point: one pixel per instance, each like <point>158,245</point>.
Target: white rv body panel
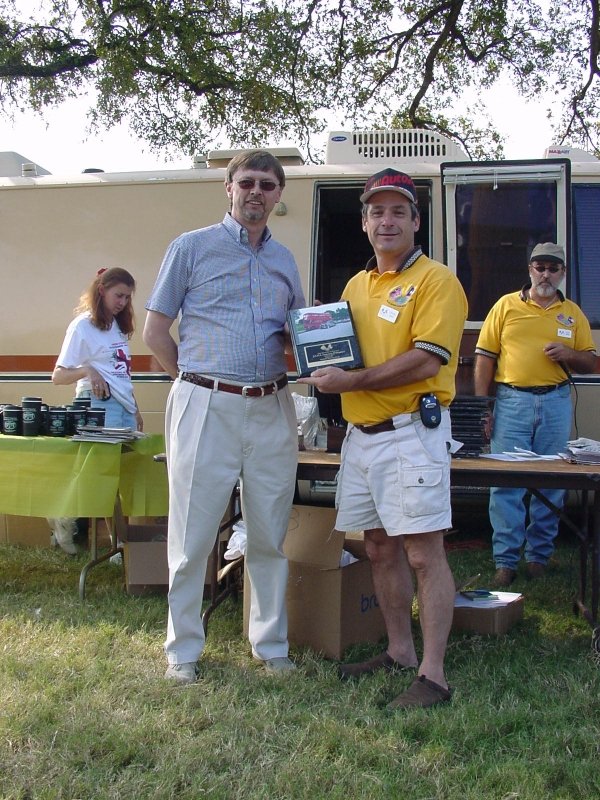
<point>56,231</point>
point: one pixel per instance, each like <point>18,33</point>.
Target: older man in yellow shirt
<point>529,343</point>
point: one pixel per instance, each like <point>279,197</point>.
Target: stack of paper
<point>519,454</point>
<point>583,451</point>
<point>492,600</point>
<point>92,433</point>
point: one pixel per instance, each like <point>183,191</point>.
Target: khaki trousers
<point>215,439</point>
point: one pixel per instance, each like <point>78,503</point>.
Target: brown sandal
<point>422,693</point>
<point>383,661</point>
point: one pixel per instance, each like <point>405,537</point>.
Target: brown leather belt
<point>538,389</point>
<point>380,427</point>
<point>244,391</point>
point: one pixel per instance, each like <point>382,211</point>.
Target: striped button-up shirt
<point>232,301</point>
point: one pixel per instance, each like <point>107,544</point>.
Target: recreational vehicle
<point>480,218</point>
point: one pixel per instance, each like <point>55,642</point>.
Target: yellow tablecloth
<point>54,477</point>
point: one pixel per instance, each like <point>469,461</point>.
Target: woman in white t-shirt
<point>95,351</point>
<point>95,355</point>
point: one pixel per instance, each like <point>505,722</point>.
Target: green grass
<point>85,712</point>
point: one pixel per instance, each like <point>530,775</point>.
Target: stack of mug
<point>35,418</point>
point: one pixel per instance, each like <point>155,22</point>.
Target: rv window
<point>496,229</point>
<point>583,268</point>
<point>341,248</point>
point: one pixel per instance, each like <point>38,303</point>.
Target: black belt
<point>537,389</point>
<point>245,391</point>
<point>380,427</point>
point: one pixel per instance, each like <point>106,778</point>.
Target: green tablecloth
<point>53,477</point>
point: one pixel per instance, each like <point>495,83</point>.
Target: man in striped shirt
<point>230,415</point>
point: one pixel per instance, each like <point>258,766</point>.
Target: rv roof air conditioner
<point>389,146</point>
<point>573,153</point>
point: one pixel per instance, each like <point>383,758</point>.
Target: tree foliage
<point>188,74</point>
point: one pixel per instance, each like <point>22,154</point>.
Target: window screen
<point>497,226</point>
<point>584,269</point>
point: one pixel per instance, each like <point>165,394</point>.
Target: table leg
<point>583,553</point>
<point>218,594</point>
<point>589,542</point>
<point>590,547</point>
<point>595,570</point>
<point>116,524</point>
<point>579,531</point>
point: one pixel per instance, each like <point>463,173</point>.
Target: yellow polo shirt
<point>422,306</point>
<point>517,329</point>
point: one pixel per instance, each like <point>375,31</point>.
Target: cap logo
<point>390,179</point>
<point>393,180</point>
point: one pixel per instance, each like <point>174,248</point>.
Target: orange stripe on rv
<point>39,363</point>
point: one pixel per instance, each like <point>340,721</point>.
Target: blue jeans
<point>538,422</point>
<point>116,416</point>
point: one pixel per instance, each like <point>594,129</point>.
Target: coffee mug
<point>32,415</point>
<point>96,417</point>
<point>12,420</point>
<point>57,421</point>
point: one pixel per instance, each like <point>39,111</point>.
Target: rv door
<point>494,214</point>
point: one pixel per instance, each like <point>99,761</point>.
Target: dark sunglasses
<point>547,268</point>
<point>265,186</point>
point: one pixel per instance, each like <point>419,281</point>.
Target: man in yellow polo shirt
<point>529,343</point>
<point>394,481</point>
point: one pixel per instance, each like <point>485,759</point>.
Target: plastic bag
<point>307,417</point>
<point>347,558</point>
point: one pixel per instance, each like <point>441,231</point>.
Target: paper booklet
<point>324,336</point>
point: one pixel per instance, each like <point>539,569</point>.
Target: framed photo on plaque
<point>324,336</point>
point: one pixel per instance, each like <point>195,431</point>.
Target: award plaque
<point>324,336</point>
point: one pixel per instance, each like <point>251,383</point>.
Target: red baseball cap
<point>390,180</point>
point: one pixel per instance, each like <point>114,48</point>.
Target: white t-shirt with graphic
<point>106,351</point>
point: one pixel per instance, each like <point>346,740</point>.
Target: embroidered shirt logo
<point>565,320</point>
<point>399,297</point>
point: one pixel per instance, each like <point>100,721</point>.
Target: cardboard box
<point>145,554</point>
<point>329,607</point>
<point>146,561</point>
<point>30,531</point>
<point>489,621</point>
<point>36,531</point>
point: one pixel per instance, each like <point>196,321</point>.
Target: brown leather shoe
<point>504,577</point>
<point>534,569</point>
<point>422,693</point>
<point>383,661</point>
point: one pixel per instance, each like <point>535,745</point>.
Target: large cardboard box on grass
<point>494,621</point>
<point>145,555</point>
<point>329,607</point>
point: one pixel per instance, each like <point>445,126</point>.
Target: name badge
<point>564,333</point>
<point>388,314</point>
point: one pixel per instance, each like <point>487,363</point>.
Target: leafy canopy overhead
<point>188,74</point>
